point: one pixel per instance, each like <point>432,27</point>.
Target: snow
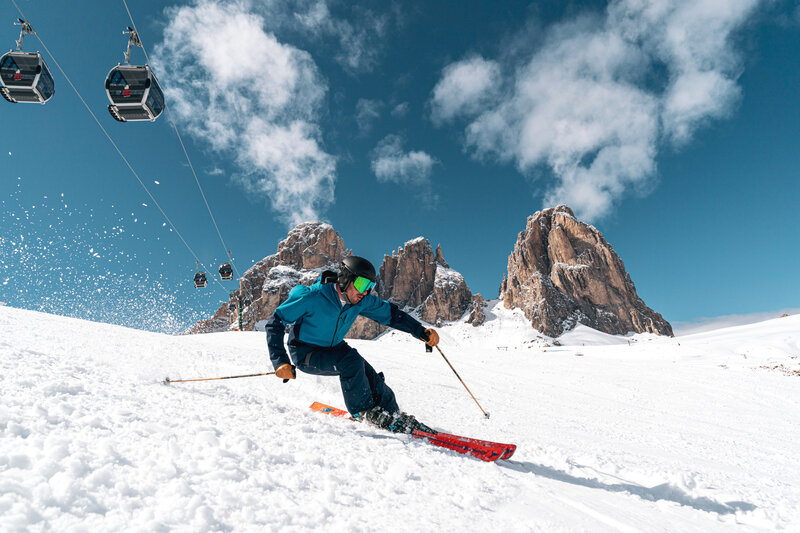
<point>282,276</point>
<point>567,266</point>
<point>46,278</point>
<point>690,434</point>
<point>447,278</point>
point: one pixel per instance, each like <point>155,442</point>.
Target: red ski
<point>482,449</point>
<point>508,449</point>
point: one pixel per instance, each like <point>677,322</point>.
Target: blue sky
<point>673,127</point>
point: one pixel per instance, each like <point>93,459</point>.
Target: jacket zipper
<point>337,326</point>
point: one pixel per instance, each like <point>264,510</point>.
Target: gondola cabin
<point>26,78</point>
<point>134,93</point>
<point>226,272</point>
<point>200,280</point>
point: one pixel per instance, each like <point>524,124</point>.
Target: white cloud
<point>316,16</point>
<point>693,39</point>
<point>597,99</point>
<point>235,86</point>
<point>297,170</point>
<point>464,87</point>
<point>359,32</point>
<point>358,42</point>
<point>367,112</point>
<point>391,163</point>
<point>400,110</point>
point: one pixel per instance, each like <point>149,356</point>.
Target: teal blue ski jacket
<point>318,318</point>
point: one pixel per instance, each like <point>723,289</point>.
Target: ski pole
<point>462,382</point>
<point>167,381</point>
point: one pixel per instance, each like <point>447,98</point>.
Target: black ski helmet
<point>352,267</point>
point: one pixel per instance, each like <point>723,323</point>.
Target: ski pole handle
<point>426,336</point>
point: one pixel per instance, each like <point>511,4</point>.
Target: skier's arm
<point>289,312</point>
<point>390,315</point>
<point>404,322</point>
<point>275,332</point>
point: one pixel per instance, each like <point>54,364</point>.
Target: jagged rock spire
<point>562,272</point>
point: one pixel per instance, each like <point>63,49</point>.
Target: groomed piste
<point>642,433</point>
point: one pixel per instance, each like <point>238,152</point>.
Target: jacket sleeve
<point>289,312</point>
<point>390,315</point>
<point>275,332</point>
<point>405,322</point>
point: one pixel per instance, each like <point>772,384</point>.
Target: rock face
<point>219,322</point>
<point>418,279</point>
<point>477,316</point>
<point>414,277</point>
<point>563,272</point>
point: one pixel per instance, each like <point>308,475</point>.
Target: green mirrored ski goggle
<point>363,285</point>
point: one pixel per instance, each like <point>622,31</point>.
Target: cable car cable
<point>191,166</point>
<point>164,214</point>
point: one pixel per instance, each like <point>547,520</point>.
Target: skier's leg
<point>381,393</point>
<point>356,387</point>
<point>345,362</point>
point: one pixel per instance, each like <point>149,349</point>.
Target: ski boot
<point>399,422</point>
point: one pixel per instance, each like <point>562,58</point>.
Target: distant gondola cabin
<point>25,78</point>
<point>200,280</point>
<point>226,272</point>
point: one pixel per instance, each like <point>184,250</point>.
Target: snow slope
<point>695,433</point>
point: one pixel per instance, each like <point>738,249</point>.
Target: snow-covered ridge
<point>639,433</point>
<point>447,277</point>
<point>415,240</point>
<point>286,276</point>
<point>567,266</point>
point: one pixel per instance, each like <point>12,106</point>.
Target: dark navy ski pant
<point>362,387</point>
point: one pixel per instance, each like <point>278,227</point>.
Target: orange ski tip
<point>327,409</point>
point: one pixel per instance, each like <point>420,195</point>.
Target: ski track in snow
<point>693,434</point>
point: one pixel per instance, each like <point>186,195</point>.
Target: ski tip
<point>510,449</point>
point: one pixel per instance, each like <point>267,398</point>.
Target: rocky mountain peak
<point>562,272</point>
<point>416,277</point>
<point>310,245</point>
<point>440,256</point>
<point>406,277</point>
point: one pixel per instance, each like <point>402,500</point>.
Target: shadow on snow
<point>665,491</point>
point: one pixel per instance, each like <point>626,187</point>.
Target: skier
<point>320,316</point>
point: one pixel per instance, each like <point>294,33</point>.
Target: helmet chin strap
<point>343,292</point>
